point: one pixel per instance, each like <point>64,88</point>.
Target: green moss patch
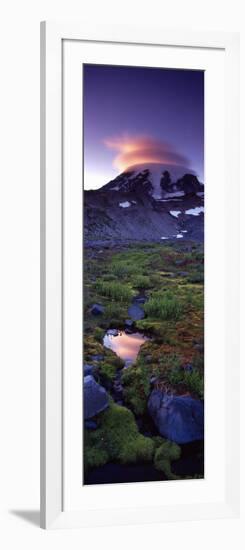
<point>116,439</point>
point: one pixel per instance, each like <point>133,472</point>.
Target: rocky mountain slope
<point>146,203</point>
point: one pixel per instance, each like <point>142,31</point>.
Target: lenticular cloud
<point>134,150</point>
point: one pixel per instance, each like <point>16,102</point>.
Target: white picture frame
<point>54,513</point>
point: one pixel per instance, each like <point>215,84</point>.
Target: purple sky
<point>135,113</point>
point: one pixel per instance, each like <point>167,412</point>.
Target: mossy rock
<point>116,438</point>
<point>166,452</point>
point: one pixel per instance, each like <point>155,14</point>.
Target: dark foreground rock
<point>178,418</point>
<point>95,397</point>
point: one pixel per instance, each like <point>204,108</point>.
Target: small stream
<point>126,345</point>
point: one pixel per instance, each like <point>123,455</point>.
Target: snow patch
<point>124,204</point>
<point>179,236</point>
<point>195,211</point>
<point>175,213</point>
<point>183,230</point>
<point>174,194</point>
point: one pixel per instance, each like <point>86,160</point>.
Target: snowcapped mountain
<point>150,202</point>
<point>158,180</point>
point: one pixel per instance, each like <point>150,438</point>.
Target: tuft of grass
<point>142,281</point>
<point>114,290</point>
<point>98,334</point>
<point>164,306</point>
<point>193,380</point>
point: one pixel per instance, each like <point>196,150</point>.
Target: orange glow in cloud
<point>134,150</point>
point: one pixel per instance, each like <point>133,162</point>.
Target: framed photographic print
<point>139,275</point>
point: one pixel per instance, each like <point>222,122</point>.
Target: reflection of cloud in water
<point>125,345</point>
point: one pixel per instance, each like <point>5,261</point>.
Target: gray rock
<point>136,312</point>
<point>97,309</point>
<point>140,299</point>
<point>178,418</point>
<point>96,398</point>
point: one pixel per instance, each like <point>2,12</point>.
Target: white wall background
<point>19,255</point>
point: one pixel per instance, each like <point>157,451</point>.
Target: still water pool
<point>126,346</point>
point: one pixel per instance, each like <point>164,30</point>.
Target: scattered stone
<point>136,312</point>
<point>97,309</point>
<point>88,369</point>
<point>183,273</point>
<point>96,398</point>
<point>178,418</point>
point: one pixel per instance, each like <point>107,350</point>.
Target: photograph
<point>143,274</point>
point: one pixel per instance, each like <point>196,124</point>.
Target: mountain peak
<point>160,181</point>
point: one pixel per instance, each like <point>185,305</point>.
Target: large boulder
<point>95,397</point>
<point>178,418</point>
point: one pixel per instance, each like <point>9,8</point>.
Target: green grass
<point>136,381</point>
<point>164,306</point>
<point>114,290</point>
<point>142,282</point>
